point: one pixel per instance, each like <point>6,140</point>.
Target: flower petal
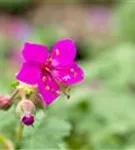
<point>29,74</point>
<point>63,52</point>
<point>70,74</point>
<point>35,52</point>
<point>49,89</point>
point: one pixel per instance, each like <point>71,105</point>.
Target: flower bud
<point>26,110</point>
<point>5,102</point>
<point>25,107</point>
<point>28,119</point>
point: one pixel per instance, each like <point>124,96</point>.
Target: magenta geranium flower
<point>50,72</point>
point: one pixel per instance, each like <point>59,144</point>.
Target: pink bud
<point>5,102</point>
<point>26,110</point>
<point>28,119</point>
<point>25,107</point>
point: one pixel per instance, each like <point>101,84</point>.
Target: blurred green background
<point>101,112</point>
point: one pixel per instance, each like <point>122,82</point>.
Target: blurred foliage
<point>124,21</point>
<point>100,113</point>
<point>16,7</point>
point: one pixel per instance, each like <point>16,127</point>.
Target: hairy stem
<point>6,143</point>
<point>19,134</point>
<point>14,94</point>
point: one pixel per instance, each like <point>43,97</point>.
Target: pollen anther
<point>75,74</point>
<point>71,70</point>
<point>67,89</point>
<point>57,52</point>
<point>44,78</point>
<point>47,69</point>
<point>58,92</point>
<point>50,60</point>
<point>47,88</point>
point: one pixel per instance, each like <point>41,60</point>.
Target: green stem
<point>14,94</point>
<point>19,134</point>
<point>7,144</point>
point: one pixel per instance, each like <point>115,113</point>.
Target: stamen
<point>65,92</point>
<point>58,92</point>
<point>72,70</point>
<point>63,89</point>
<point>68,89</point>
<point>52,90</point>
<point>50,59</point>
<point>49,79</point>
<point>67,95</point>
<point>44,78</point>
<point>57,52</point>
<point>47,69</point>
<point>47,88</point>
<point>75,74</point>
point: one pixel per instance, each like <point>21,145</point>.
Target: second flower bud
<point>26,110</point>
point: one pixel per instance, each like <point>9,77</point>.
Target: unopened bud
<point>28,119</point>
<point>25,107</point>
<point>26,110</point>
<point>5,102</point>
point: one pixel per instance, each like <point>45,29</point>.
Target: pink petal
<point>49,89</point>
<point>70,74</point>
<point>29,74</point>
<point>64,52</point>
<point>35,52</point>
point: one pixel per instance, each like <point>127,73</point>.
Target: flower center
<point>47,69</point>
<point>47,66</point>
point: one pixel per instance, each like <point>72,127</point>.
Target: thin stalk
<point>19,134</point>
<point>6,143</point>
<point>14,94</point>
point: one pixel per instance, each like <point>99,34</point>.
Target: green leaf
<point>48,134</point>
<point>14,84</point>
<point>8,122</point>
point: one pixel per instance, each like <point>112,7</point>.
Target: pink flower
<point>51,72</point>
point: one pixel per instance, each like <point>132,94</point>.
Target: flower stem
<point>14,94</point>
<point>19,134</point>
<point>7,144</point>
